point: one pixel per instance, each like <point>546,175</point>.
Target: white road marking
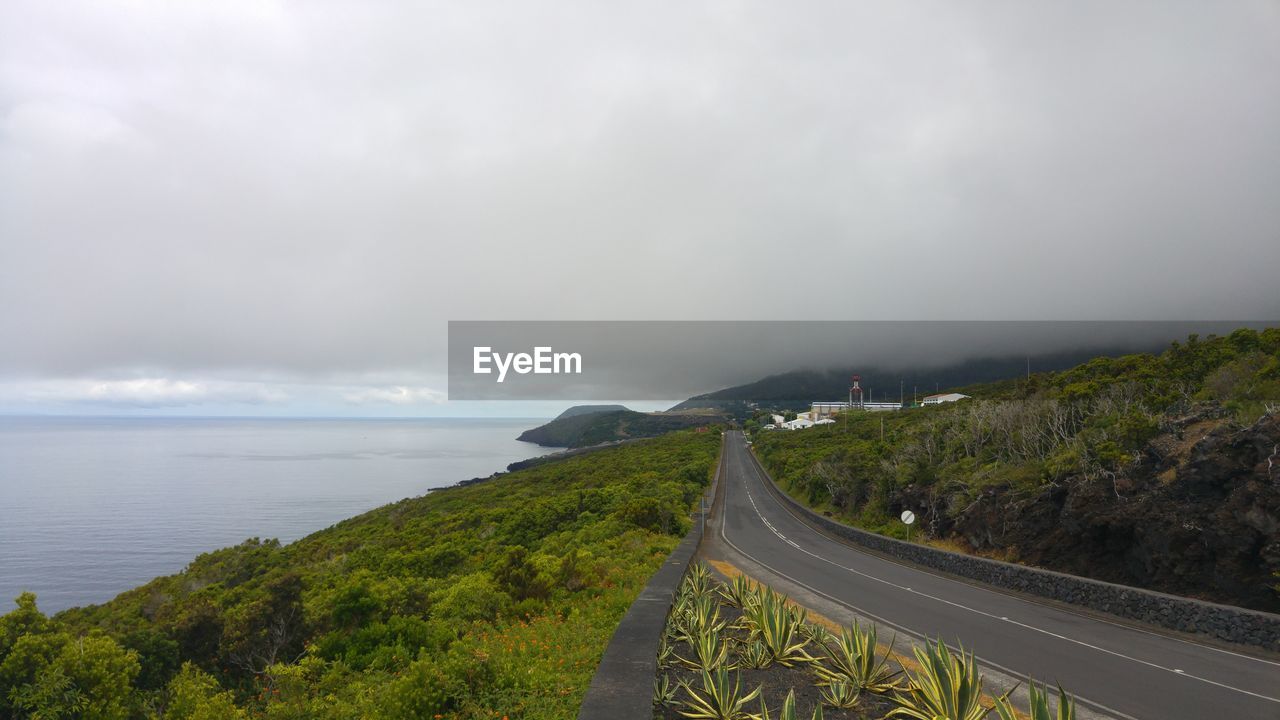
<point>1090,617</point>
<point>1033,628</point>
<point>1080,700</point>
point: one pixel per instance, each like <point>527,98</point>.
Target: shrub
<point>194,695</point>
<point>471,597</point>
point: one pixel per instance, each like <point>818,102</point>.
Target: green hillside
<point>482,601</point>
<point>599,427</point>
<point>588,410</point>
<point>1158,470</point>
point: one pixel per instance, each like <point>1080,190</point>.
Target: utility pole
<point>902,388</point>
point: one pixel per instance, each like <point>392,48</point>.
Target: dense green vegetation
<point>472,602</point>
<point>582,430</point>
<point>1087,422</point>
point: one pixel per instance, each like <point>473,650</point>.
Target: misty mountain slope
<point>1160,471</point>
<point>796,389</point>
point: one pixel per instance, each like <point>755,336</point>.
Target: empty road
<point>1114,668</point>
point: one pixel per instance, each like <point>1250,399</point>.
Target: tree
<point>57,676</point>
<point>25,619</point>
<point>267,630</point>
<point>195,695</point>
<point>157,654</point>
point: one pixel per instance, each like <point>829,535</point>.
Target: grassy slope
<point>479,601</point>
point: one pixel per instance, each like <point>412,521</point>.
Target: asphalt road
<point>1115,669</point>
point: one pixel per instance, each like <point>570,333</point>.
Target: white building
<point>942,398</point>
<point>824,421</point>
<point>777,419</point>
<point>821,410</point>
<point>827,409</point>
<point>798,424</point>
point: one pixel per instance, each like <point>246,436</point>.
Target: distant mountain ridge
<point>577,410</point>
<point>796,389</point>
<point>593,428</point>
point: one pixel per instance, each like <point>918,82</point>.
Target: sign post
<point>908,518</point>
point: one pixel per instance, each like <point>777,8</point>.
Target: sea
<point>90,507</point>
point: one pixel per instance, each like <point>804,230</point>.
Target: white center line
<point>989,615</point>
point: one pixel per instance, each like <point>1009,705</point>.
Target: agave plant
<point>851,659</point>
<point>751,599</point>
<point>705,612</point>
<point>718,700</point>
<point>699,616</point>
<point>664,693</point>
<point>754,655</point>
<point>840,694</point>
<point>666,653</point>
<point>815,633</point>
<point>777,626</point>
<point>737,591</point>
<point>947,687</point>
<point>696,616</point>
<point>798,614</point>
<point>710,651</point>
<point>697,582</point>
<point>753,611</point>
<point>1039,705</point>
<point>788,711</point>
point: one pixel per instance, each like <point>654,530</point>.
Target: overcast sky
<point>260,207</point>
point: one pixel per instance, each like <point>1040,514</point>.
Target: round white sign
<point>908,517</point>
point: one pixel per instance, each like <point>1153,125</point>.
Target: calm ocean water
<point>90,507</point>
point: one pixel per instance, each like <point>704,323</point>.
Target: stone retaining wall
<point>622,688</point>
<point>1221,622</point>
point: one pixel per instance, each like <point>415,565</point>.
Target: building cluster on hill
<point>822,413</point>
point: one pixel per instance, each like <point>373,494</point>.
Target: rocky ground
<point>1197,514</point>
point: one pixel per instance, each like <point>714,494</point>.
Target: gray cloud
<point>257,192</point>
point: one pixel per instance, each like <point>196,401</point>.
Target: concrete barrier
<point>622,688</point>
<point>1221,622</point>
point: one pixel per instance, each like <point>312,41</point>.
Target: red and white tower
<point>855,391</point>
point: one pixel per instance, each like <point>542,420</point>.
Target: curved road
<point>1115,669</point>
